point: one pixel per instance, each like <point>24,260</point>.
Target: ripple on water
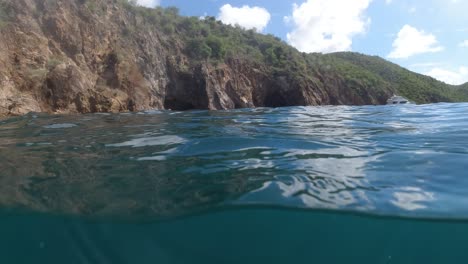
<point>59,126</point>
<point>405,161</point>
<point>150,141</point>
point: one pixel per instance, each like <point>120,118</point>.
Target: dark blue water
<point>374,184</point>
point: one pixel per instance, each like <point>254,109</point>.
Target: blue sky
<point>430,37</point>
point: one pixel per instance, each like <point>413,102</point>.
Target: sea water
<point>370,184</point>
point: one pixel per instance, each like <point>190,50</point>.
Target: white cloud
<point>327,25</point>
<point>247,17</point>
<point>148,3</point>
<point>464,44</point>
<point>455,77</point>
<point>388,1</point>
<point>411,41</point>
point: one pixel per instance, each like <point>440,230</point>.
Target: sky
<point>425,36</point>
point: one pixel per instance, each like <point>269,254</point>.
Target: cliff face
<point>80,56</point>
<point>57,56</point>
<point>64,57</point>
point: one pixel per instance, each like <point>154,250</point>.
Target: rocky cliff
<point>81,56</point>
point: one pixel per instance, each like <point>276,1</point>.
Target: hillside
<point>80,56</point>
<point>420,88</point>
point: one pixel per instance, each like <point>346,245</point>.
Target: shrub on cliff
<point>217,46</point>
<point>198,49</point>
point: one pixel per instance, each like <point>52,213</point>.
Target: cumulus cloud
<point>464,44</point>
<point>327,25</point>
<point>148,3</point>
<point>411,41</point>
<point>247,17</point>
<point>455,77</point>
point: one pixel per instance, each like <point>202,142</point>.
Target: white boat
<point>395,99</point>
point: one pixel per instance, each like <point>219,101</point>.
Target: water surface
<point>372,184</point>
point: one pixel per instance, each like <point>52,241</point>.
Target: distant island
<point>82,56</point>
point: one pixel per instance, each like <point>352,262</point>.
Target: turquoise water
<point>373,184</point>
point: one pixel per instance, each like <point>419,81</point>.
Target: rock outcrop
<point>73,56</point>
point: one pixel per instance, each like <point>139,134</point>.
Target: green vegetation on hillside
<point>209,40</point>
<point>417,87</point>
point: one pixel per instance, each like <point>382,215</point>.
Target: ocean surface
<point>371,184</point>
